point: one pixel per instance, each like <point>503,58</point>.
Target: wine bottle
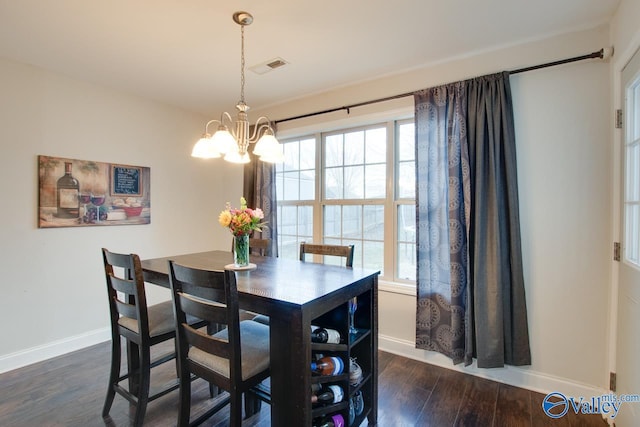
<point>329,365</point>
<point>328,395</point>
<point>67,191</point>
<point>324,335</point>
<point>357,403</point>
<point>335,420</point>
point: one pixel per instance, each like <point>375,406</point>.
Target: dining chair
<point>142,327</point>
<point>235,359</point>
<point>258,246</point>
<point>345,251</point>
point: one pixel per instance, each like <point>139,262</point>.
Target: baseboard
<point>519,377</point>
<point>43,352</point>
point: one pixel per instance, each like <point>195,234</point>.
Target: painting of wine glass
<point>81,193</point>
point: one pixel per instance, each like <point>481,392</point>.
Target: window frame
<point>390,202</point>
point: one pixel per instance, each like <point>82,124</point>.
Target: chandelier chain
<point>242,64</point>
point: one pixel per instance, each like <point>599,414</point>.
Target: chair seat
<point>261,318</point>
<point>161,320</point>
<point>255,351</point>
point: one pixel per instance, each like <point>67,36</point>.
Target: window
<point>353,186</point>
<point>632,176</point>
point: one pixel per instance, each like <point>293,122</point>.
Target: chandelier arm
<point>229,125</point>
<point>257,128</point>
<point>206,127</point>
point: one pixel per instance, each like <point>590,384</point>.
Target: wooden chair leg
<point>184,410</point>
<point>143,386</point>
<point>133,362</point>
<point>252,404</point>
<point>113,375</point>
<point>235,409</point>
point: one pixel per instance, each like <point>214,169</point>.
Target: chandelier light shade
<point>232,140</point>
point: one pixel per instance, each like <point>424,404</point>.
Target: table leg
<point>290,363</point>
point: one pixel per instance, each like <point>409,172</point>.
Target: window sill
<point>397,288</point>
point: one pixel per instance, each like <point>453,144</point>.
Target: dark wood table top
<point>284,282</point>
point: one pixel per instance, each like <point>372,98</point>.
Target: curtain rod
<point>602,53</point>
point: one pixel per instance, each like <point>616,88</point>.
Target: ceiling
<point>187,52</point>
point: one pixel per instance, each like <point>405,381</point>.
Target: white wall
<point>52,285</point>
<point>562,119</point>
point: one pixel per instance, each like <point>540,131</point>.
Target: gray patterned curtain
<point>442,204</point>
<point>471,301</point>
<point>259,188</point>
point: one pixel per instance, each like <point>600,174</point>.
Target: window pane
<point>288,247</point>
<point>407,223</point>
<point>295,224</point>
<point>373,255</point>
<point>406,249</point>
<point>305,222</point>
<point>406,261</point>
<point>406,142</point>
<point>307,185</point>
<point>376,150</point>
<point>308,150</point>
<point>291,183</point>
<point>375,181</point>
<point>333,150</point>
<point>354,148</point>
<point>352,222</point>
<point>333,183</point>
<point>406,180</point>
<point>332,221</point>
<point>373,222</point>
<point>633,173</point>
<point>287,217</point>
<point>354,182</point>
<point>291,155</point>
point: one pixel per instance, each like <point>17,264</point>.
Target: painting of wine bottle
<point>78,193</point>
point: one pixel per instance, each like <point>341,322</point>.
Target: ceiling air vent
<point>269,65</point>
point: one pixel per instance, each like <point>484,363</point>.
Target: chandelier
<point>233,141</point>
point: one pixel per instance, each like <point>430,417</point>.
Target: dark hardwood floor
<point>69,391</point>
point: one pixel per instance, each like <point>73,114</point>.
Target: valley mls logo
<point>556,405</point>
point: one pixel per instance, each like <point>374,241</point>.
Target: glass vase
<point>241,250</point>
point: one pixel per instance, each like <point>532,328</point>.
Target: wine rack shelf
<point>360,346</point>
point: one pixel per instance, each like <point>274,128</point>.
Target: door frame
<point>617,168</point>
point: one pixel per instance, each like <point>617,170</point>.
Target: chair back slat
<point>191,291</point>
<point>131,283</point>
<point>211,312</point>
<point>206,342</point>
<point>126,310</point>
<point>126,286</point>
<point>345,251</point>
<point>119,260</point>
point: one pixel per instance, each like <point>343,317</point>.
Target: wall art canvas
<point>80,193</point>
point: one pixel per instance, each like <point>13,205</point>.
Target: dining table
<point>292,294</point>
